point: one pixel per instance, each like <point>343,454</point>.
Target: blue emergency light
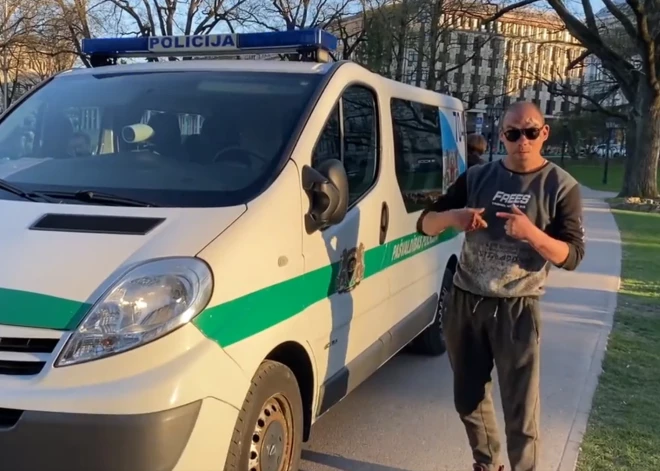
<point>312,44</point>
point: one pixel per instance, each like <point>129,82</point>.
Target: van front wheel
<point>269,428</point>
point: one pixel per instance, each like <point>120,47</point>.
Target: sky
<point>576,6</point>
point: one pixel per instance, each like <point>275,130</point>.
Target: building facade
<point>524,55</point>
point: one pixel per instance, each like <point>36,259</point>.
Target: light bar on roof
<point>212,45</point>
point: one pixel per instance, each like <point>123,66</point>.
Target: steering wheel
<point>239,159</point>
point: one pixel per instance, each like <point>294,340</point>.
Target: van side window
<point>329,144</point>
<point>360,144</point>
<point>355,143</point>
<point>417,152</point>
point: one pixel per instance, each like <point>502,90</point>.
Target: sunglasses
<point>512,135</point>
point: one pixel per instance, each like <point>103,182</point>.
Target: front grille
<point>20,368</point>
<point>24,356</point>
<point>9,417</point>
<point>27,345</point>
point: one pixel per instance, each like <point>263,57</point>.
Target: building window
<point>550,106</point>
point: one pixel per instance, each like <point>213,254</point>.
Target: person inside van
<point>80,145</point>
<point>521,215</point>
<point>476,147</point>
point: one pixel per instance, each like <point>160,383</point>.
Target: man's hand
<point>468,219</point>
<point>520,227</point>
<point>517,224</point>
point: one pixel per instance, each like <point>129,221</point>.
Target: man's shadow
<point>341,244</point>
<point>344,464</point>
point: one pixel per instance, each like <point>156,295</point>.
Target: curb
<point>572,448</point>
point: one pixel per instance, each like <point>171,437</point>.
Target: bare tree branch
<point>507,9</point>
<point>579,59</point>
<point>589,17</point>
<point>624,71</point>
<point>647,44</point>
<point>623,19</point>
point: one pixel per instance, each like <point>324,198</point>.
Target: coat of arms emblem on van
<point>351,269</point>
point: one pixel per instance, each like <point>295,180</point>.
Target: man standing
<point>521,215</point>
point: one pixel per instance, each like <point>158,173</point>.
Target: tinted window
<point>359,140</point>
<point>417,151</point>
<point>190,138</point>
<point>329,143</point>
<point>355,143</point>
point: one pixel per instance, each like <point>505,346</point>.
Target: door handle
<point>384,223</point>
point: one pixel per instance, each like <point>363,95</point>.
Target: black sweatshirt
<point>494,264</point>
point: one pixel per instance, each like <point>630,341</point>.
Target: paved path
<point>403,419</point>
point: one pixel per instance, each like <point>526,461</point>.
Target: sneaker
<point>483,467</point>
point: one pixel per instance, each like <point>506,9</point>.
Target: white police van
<point>200,258</point>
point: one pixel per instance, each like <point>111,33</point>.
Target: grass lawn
<point>624,425</point>
<point>590,173</point>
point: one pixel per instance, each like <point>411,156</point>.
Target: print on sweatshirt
<point>491,262</point>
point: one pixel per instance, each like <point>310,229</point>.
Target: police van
<point>199,258</point>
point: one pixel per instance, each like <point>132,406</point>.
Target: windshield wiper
<point>90,196</point>
<point>26,195</point>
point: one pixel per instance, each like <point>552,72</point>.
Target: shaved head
<point>522,112</point>
<point>523,131</point>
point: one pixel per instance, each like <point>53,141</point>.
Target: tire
<point>269,429</point>
<point>431,341</point>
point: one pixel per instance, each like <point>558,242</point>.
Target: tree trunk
<point>436,10</point>
<point>641,178</point>
<point>402,28</point>
<point>629,162</point>
<point>420,55</point>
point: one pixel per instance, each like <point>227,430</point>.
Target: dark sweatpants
<point>479,331</point>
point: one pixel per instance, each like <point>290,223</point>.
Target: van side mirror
<point>327,190</point>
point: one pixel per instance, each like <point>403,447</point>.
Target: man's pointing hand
<point>469,219</point>
<point>517,224</point>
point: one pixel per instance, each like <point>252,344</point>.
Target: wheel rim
<point>272,439</point>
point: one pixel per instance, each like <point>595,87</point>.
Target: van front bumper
<point>170,405</point>
<point>53,441</point>
<point>171,440</point>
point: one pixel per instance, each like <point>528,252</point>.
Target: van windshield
<point>182,138</point>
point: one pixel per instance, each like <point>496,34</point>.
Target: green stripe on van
<point>28,309</point>
<point>243,317</point>
<point>234,320</point>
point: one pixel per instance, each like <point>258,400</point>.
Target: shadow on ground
<point>345,464</point>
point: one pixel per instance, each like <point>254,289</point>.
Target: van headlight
<point>150,301</point>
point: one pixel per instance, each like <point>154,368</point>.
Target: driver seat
<point>218,133</point>
<point>57,132</point>
<point>167,134</point>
